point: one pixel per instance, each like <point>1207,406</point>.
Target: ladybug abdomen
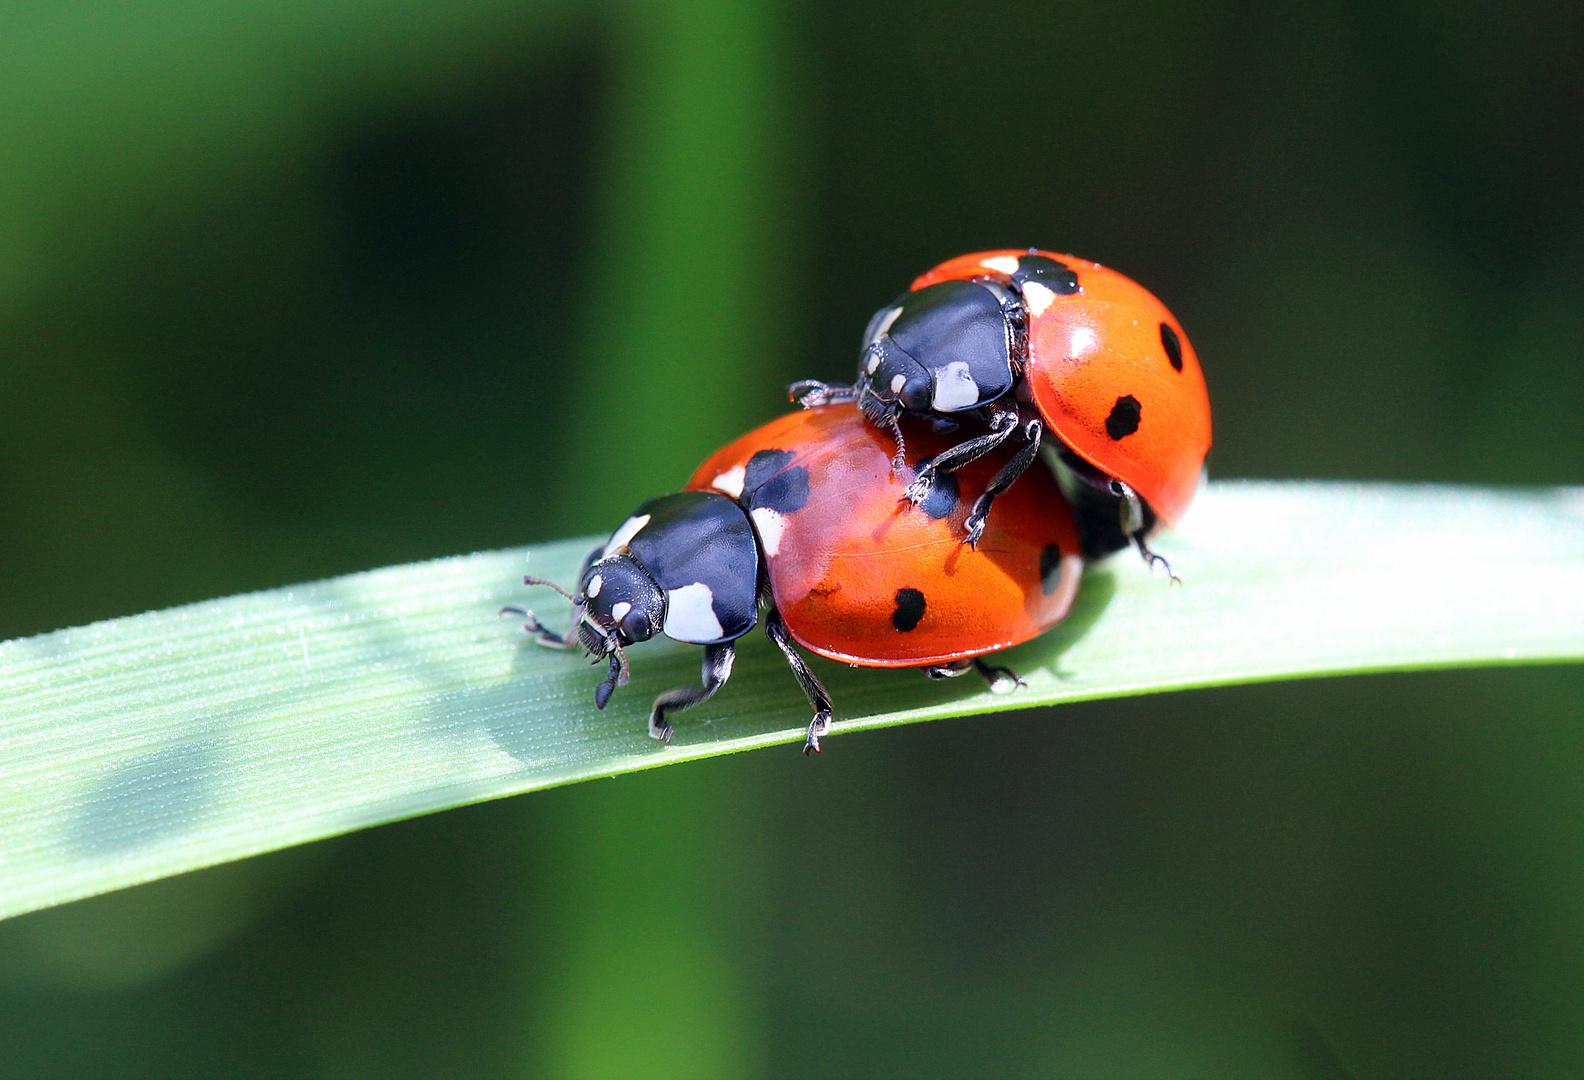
<point>861,576</point>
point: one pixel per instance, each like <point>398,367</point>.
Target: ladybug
<point>1026,340</point>
<point>804,518</point>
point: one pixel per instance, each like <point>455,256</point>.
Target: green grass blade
<point>145,746</point>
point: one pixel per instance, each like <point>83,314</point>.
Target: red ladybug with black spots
<point>805,518</point>
<point>1025,340</point>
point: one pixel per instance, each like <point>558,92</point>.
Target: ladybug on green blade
<point>804,520</point>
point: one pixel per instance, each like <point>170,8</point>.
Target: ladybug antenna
<point>531,580</point>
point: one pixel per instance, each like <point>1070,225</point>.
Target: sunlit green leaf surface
<point>145,746</point>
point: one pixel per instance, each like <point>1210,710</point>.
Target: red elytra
<point>1091,351</point>
<point>862,577</point>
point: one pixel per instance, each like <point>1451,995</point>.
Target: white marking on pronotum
<point>690,614</point>
<point>885,324</point>
<point>955,388</point>
<point>731,481</point>
<point>620,609</point>
<point>595,584</point>
<point>897,383</point>
<point>623,536</point>
<point>1001,264</point>
<point>1037,297</point>
<point>873,364</point>
<point>770,525</point>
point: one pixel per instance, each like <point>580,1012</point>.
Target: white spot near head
<point>885,324</point>
<point>873,364</point>
<point>1037,297</point>
<point>690,614</point>
<point>955,389</point>
<point>730,482</point>
<point>897,383</point>
<point>623,536</point>
<point>595,584</point>
<point>620,609</point>
<point>1001,264</point>
<point>769,525</point>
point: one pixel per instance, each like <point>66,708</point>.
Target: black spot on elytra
<point>761,467</point>
<point>786,491</point>
<point>1124,418</point>
<point>1172,345</point>
<point>942,497</point>
<point>909,609</point>
<point>1059,278</point>
<point>1050,569</point>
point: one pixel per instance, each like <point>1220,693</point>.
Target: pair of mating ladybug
<point>869,560</point>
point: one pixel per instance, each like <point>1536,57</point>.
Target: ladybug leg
<point>541,634</point>
<point>1002,480</point>
<point>1002,680</point>
<point>1135,526</point>
<point>717,669</point>
<point>811,392</point>
<point>818,696</point>
<point>948,671</point>
<point>1155,562</point>
<point>537,630</point>
<point>1002,427</point>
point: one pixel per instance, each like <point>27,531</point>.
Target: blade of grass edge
<point>146,746</point>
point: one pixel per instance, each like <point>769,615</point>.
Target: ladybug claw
<point>919,489</point>
<point>976,527</point>
<point>817,727</point>
<point>1156,563</point>
<point>659,729</point>
<point>1002,680</point>
<point>810,393</point>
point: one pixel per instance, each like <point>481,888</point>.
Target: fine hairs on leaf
<point>146,746</point>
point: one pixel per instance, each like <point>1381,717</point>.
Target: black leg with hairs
<point>717,669</point>
<point>818,697</point>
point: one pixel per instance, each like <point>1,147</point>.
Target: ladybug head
<point>886,371</point>
<point>620,604</point>
<point>889,374</point>
<point>616,604</point>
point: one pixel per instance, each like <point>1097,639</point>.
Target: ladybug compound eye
<point>632,624</point>
<point>620,597</point>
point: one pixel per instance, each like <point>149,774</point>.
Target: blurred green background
<point>291,289</point>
